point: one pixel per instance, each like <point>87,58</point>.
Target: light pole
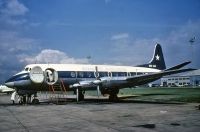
<point>192,40</point>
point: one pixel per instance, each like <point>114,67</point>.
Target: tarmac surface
<point>99,116</point>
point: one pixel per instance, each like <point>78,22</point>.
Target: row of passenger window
<point>179,79</point>
<point>80,74</point>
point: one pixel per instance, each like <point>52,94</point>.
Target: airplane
<point>5,89</point>
<point>106,79</point>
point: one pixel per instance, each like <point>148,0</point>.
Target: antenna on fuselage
<point>88,58</point>
<point>35,60</point>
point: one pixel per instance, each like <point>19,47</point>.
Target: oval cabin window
<point>73,74</point>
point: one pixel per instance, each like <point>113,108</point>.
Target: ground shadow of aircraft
<point>97,101</point>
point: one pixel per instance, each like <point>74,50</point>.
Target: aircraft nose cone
<point>9,84</point>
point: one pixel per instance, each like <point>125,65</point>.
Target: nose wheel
<point>35,100</point>
<point>27,99</point>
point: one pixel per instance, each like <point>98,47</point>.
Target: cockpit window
<point>27,69</point>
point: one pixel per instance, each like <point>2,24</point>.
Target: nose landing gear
<point>24,98</point>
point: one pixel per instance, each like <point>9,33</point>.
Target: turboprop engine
<point>49,76</point>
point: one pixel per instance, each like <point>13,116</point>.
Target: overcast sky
<point>118,32</point>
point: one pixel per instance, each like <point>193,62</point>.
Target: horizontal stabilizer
<point>178,66</point>
<point>142,79</point>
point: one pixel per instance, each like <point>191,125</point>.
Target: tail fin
<point>157,60</point>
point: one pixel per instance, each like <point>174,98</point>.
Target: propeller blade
<point>96,72</point>
<point>98,91</point>
<point>77,99</point>
<point>97,81</point>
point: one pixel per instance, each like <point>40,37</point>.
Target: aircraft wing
<point>146,78</point>
<point>135,80</point>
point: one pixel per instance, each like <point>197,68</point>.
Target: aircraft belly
<point>115,83</point>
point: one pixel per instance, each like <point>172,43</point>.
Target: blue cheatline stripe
<point>24,76</point>
<point>89,74</point>
<point>76,74</point>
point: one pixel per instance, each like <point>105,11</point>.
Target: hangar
<point>186,79</point>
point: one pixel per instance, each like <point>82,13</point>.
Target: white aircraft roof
<point>84,67</point>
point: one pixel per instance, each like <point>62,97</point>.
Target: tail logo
<point>157,57</point>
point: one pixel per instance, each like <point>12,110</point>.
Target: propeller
<point>97,82</point>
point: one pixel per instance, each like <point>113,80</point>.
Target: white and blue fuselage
<point>71,74</point>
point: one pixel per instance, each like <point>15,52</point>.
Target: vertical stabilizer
<point>157,60</point>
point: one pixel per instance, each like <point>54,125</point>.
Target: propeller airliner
<point>106,79</point>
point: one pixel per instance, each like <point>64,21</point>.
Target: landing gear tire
<point>113,95</point>
<point>81,96</point>
<point>113,98</point>
<point>35,101</point>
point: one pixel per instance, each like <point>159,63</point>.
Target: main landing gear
<point>112,94</point>
<point>79,94</point>
<point>113,97</point>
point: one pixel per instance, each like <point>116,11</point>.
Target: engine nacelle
<point>49,76</point>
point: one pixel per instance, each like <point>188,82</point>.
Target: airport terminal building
<point>180,80</point>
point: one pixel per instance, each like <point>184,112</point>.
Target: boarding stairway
<point>57,93</point>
